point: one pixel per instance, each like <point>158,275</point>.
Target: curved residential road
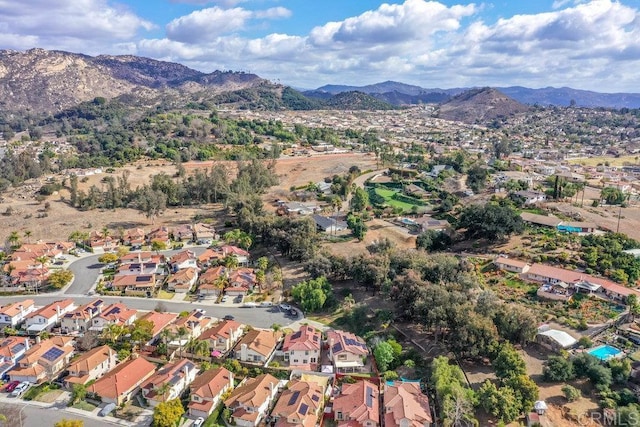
<point>87,269</point>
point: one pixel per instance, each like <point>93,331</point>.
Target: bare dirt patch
<point>378,229</point>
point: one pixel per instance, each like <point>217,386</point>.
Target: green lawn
<point>165,295</point>
<point>389,200</point>
<point>84,405</point>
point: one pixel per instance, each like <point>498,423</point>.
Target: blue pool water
<point>604,352</point>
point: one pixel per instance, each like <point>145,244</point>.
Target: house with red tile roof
<point>11,350</point>
<point>43,361</point>
<point>121,383</point>
<point>210,256</point>
<point>204,232</point>
<point>257,345</point>
<point>251,399</point>
<point>347,351</point>
<point>299,405</point>
<point>223,336</point>
<point>207,389</point>
<point>14,313</point>
<point>512,265</point>
<point>113,314</point>
<point>101,242</point>
<point>406,406</point>
<point>160,321</point>
<point>160,234</point>
<point>48,316</point>
<point>357,405</point>
<point>213,281</point>
<point>178,375</point>
<point>91,365</point>
<point>133,236</point>
<point>144,257</point>
<point>183,259</point>
<point>183,280</point>
<point>135,284</point>
<point>182,233</point>
<point>79,320</point>
<point>241,255</point>
<point>195,323</point>
<point>302,348</point>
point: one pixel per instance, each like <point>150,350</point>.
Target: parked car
<point>198,422</point>
<point>21,388</point>
<point>285,307</point>
<point>107,409</point>
<point>249,304</point>
<point>228,317</point>
<point>11,386</point>
<point>266,304</point>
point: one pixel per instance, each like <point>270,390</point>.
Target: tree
<point>525,389</point>
<point>357,226</point>
<point>571,393</point>
<point>383,353</point>
<point>558,369</point>
<point>620,370</point>
<point>477,178</point>
<point>28,234</point>
<point>502,403</point>
<point>150,202</point>
<point>14,240</point>
<point>312,294</point>
<point>433,240</point>
<point>508,363</point>
<point>167,414</point>
<point>107,258</point>
<point>60,278</point>
<point>491,221</point>
<point>158,245</point>
<point>612,196</point>
<point>78,392</point>
<point>69,423</point>
<point>238,237</point>
<point>359,200</point>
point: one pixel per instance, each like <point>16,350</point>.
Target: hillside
<point>479,106</point>
<point>49,81</point>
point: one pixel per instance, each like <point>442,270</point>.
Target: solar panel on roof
<point>114,310</point>
<point>296,335</point>
<point>315,398</point>
<point>294,397</point>
<point>52,354</point>
<point>337,347</point>
<point>369,394</point>
<point>304,408</point>
<point>315,338</point>
<point>142,278</point>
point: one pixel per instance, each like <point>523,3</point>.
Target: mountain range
<point>43,81</point>
<point>398,93</point>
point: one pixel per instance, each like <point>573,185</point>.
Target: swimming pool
<point>604,352</point>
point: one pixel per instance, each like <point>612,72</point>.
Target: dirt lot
<point>378,229</point>
<point>61,219</point>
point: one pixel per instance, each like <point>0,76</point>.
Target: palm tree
<point>28,234</point>
<point>112,332</point>
<point>163,389</point>
<point>166,334</point>
<point>182,332</point>
<point>14,239</point>
<point>42,260</point>
<point>200,348</point>
<point>230,261</point>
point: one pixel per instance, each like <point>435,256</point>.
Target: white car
<point>21,388</point>
<point>285,307</point>
<point>250,304</point>
<point>266,304</point>
<point>198,422</point>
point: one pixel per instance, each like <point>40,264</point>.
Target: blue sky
<point>587,44</point>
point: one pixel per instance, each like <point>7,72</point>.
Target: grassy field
<point>162,294</point>
<point>613,161</point>
<point>389,200</point>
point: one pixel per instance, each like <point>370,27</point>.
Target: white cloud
<point>61,24</point>
<point>207,24</point>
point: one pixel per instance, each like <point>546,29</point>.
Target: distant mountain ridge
<point>398,93</point>
<point>48,81</point>
<point>479,106</point>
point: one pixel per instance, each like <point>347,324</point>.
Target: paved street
<point>86,270</point>
<point>43,416</point>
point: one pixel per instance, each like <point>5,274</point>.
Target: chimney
<point>37,339</point>
<point>21,311</point>
<point>26,343</point>
<point>272,388</point>
<point>58,311</point>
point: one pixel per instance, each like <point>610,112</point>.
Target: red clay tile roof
<point>123,378</point>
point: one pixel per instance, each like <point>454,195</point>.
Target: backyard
<point>404,204</point>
